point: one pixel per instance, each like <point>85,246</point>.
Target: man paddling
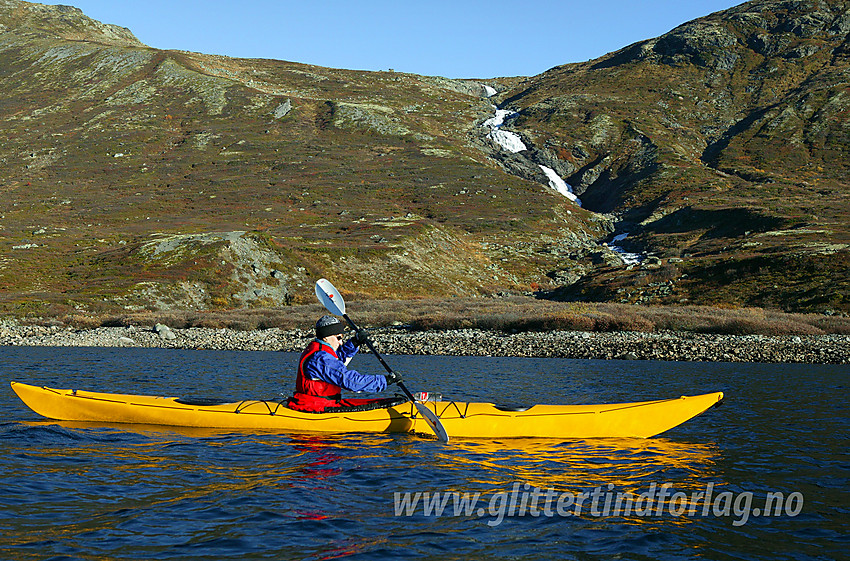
<point>322,372</point>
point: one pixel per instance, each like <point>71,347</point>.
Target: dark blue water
<point>107,492</point>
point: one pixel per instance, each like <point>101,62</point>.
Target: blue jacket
<point>327,368</point>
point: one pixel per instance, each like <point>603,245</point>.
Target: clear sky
<point>452,38</point>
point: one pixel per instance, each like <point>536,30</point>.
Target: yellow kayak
<point>460,419</point>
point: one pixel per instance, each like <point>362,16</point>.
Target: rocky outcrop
<point>250,274</point>
<point>473,88</point>
<point>373,117</point>
<point>771,28</point>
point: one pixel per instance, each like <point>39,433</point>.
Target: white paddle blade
<point>330,297</point>
<point>433,421</point>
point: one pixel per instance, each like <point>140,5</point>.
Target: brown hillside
<point>134,178</point>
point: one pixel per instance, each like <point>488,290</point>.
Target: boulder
<point>283,109</point>
<point>164,332</point>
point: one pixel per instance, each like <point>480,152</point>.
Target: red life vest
<point>314,395</point>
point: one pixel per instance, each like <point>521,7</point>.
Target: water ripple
<point>78,490</point>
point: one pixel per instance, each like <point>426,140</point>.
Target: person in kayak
<point>323,372</point>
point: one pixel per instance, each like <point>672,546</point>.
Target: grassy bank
<point>511,314</point>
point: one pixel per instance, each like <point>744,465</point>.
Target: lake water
<point>106,492</point>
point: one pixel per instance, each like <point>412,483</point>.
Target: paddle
<point>332,300</point>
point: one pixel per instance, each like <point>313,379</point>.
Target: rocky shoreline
<point>674,346</point>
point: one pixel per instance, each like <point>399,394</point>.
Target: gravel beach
<point>681,346</point>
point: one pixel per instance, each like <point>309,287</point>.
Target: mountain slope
<point>722,145</point>
<point>137,178</point>
<point>366,177</point>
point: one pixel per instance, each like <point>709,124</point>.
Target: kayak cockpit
<point>202,401</point>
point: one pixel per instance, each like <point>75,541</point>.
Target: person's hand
<point>392,378</point>
<point>361,337</point>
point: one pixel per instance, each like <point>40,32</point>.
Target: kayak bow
<point>461,419</point>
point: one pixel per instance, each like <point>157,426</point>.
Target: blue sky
<point>452,38</point>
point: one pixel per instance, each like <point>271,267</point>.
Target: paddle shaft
<point>333,301</point>
<point>379,357</point>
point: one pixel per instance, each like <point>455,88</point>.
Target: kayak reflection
<point>632,479</point>
<point>624,462</point>
<point>309,470</point>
